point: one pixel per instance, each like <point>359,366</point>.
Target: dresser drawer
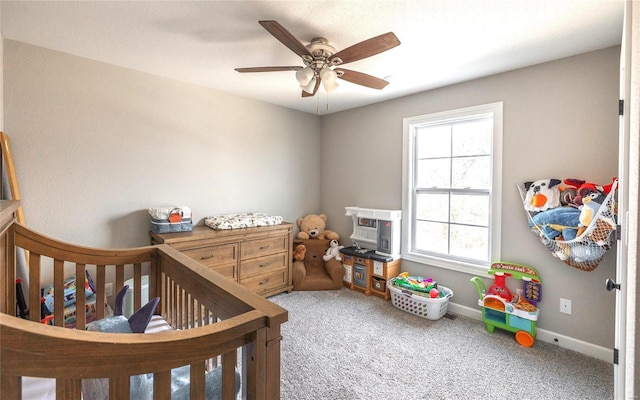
<point>262,247</point>
<point>266,282</point>
<point>230,271</point>
<point>263,265</point>
<point>213,256</point>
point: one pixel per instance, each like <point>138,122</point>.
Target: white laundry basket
<point>420,304</point>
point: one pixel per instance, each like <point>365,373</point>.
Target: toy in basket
<point>170,219</point>
<point>500,309</point>
<point>419,296</point>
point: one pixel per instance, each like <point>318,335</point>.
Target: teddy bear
<point>333,251</point>
<point>299,252</point>
<point>312,226</point>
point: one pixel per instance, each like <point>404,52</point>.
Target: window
<point>452,188</point>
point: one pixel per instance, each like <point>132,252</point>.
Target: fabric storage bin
<point>170,219</point>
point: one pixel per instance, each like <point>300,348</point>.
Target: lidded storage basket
<point>418,303</point>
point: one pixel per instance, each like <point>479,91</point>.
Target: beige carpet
<point>344,345</point>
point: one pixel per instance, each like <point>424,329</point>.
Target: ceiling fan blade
<point>366,49</point>
<point>315,90</point>
<point>360,78</point>
<point>268,69</point>
<point>279,32</point>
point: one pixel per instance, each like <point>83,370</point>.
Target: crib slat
<point>119,284</point>
<point>197,381</point>
<point>119,388</point>
<point>153,281</point>
<point>180,294</point>
<point>68,389</point>
<point>8,292</point>
<point>174,304</point>
<point>10,387</point>
<point>137,282</point>
<point>162,385</point>
<point>34,283</point>
<point>192,311</point>
<point>164,290</point>
<point>228,374</point>
<point>205,316</point>
<point>181,321</point>
<point>178,305</point>
<point>100,283</point>
<point>58,292</point>
<point>81,298</point>
<point>255,366</point>
<point>167,294</point>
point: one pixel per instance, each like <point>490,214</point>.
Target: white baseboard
<point>580,346</point>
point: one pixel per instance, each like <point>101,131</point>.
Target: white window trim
<point>496,190</point>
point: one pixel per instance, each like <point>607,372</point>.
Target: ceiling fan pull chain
<point>327,100</point>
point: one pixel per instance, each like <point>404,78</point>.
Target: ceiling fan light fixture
<point>329,79</point>
<point>309,86</point>
<point>304,76</point>
<point>329,86</point>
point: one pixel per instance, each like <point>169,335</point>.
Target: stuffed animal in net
<point>313,226</point>
<point>333,251</point>
<point>583,188</point>
<point>557,223</point>
<point>591,203</point>
<point>542,194</point>
<point>579,203</point>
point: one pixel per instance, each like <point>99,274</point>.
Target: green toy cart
<point>517,313</point>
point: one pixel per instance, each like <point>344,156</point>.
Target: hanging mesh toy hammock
<point>591,244</point>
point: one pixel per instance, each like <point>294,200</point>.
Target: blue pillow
<point>558,221</point>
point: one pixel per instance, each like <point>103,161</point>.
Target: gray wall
<point>560,120</point>
<point>96,145</point>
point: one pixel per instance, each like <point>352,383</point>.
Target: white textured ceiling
<point>442,41</point>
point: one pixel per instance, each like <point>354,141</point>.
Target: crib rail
<point>215,320</point>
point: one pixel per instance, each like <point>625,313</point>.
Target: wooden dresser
<point>256,258</point>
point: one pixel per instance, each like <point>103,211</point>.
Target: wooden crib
<point>216,322</point>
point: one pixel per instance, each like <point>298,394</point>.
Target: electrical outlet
<point>108,289</point>
<point>565,306</point>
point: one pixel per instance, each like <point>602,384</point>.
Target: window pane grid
<point>451,188</point>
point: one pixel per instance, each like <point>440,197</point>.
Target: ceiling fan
<point>320,60</point>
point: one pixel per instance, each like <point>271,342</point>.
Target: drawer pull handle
<point>264,247</point>
<point>264,282</point>
<point>264,265</point>
<point>207,257</point>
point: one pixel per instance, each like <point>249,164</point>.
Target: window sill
<point>457,266</point>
